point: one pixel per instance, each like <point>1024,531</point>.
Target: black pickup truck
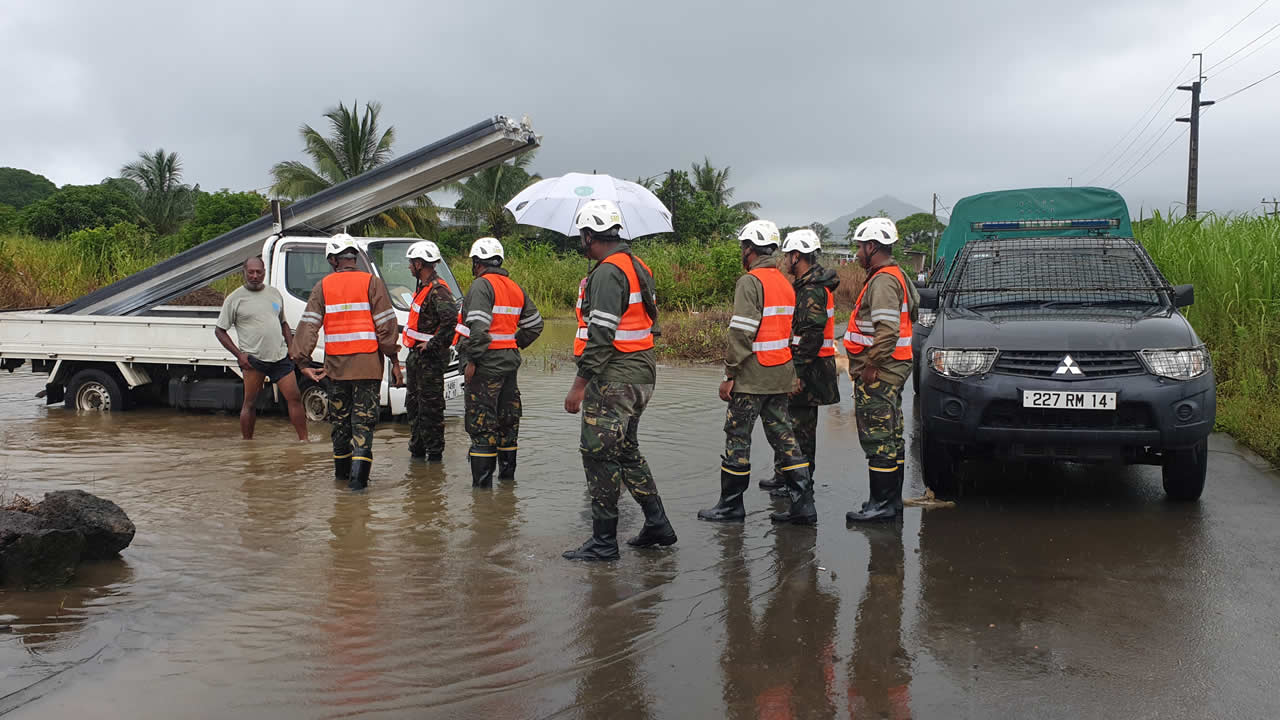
<point>1063,349</point>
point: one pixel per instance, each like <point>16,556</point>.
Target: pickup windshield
<point>388,257</point>
<point>1055,273</point>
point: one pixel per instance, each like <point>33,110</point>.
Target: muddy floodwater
<point>258,588</point>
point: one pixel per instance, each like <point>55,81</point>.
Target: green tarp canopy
<point>1057,203</point>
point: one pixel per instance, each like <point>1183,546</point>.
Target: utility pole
<point>1070,182</point>
<point>1193,154</point>
<point>933,255</point>
<point>1275,207</point>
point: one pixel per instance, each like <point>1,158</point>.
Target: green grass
<point>1234,263</point>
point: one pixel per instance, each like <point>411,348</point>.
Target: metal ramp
<point>361,197</point>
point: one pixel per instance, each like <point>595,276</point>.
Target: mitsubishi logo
<point>1068,367</point>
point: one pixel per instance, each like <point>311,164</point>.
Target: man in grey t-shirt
<point>257,313</point>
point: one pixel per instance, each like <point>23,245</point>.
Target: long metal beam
<point>359,198</point>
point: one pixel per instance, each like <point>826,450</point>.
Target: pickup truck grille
<point>1093,365</point>
<point>1010,414</point>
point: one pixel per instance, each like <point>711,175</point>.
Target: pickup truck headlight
<point>962,363</point>
<point>926,317</point>
<point>1186,364</point>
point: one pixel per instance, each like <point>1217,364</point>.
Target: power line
<point>1246,56</point>
<point>1132,142</point>
<point>1233,27</point>
<point>1242,47</point>
<point>1151,146</point>
<point>1152,160</point>
<point>1246,87</point>
<point>1135,124</point>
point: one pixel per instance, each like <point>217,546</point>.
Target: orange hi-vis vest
<point>411,336</point>
<point>828,348</point>
<point>772,344</point>
<point>860,335</point>
<point>348,316</point>
<point>508,302</point>
<point>635,327</point>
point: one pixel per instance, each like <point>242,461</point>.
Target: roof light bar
<point>1047,224</point>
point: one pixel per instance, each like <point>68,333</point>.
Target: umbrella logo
<point>521,205</point>
<point>584,191</point>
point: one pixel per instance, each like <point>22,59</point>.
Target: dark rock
<point>106,528</point>
<point>14,524</point>
<point>44,558</point>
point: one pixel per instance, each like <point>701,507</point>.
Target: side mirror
<point>1184,295</point>
<point>929,298</point>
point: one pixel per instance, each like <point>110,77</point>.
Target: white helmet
<point>485,248</point>
<point>598,216</point>
<point>339,244</point>
<point>880,229</point>
<point>424,250</point>
<point>803,241</point>
<point>760,232</point>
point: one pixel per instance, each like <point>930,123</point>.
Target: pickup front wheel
<point>94,390</point>
<point>939,465</point>
<point>1184,472</point>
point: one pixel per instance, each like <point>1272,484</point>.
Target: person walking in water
<point>428,335</point>
<point>261,347</point>
<point>758,376</point>
<point>617,371</point>
<point>353,309</point>
<point>497,320</point>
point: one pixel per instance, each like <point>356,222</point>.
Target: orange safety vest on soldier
<point>860,335</point>
<point>635,329</point>
<point>828,348</point>
<point>348,317</point>
<point>508,302</point>
<point>411,336</point>
<point>772,344</point>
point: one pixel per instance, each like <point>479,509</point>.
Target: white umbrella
<point>553,203</point>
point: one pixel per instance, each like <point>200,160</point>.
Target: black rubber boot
<point>435,457</point>
<point>897,489</point>
<point>657,528</point>
<point>417,454</point>
<point>603,544</point>
<point>507,464</point>
<point>881,506</point>
<point>734,481</point>
<point>802,510</point>
<point>342,468</point>
<point>777,482</point>
<point>483,462</point>
<point>359,474</point>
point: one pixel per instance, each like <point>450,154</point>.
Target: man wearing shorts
<point>262,345</point>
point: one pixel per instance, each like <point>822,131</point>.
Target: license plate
<point>453,388</point>
<point>1062,400</point>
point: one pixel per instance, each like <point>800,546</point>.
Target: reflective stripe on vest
<point>411,336</point>
<point>859,335</point>
<point>772,344</point>
<point>633,331</point>
<point>828,347</point>
<point>348,324</point>
<point>508,301</point>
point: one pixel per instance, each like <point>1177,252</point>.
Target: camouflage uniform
<point>353,410</point>
<point>610,446</point>
<point>878,410</point>
<point>817,374</point>
<point>492,399</point>
<point>426,364</point>
<point>775,414</point>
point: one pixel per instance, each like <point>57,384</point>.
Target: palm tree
<point>715,183</point>
<point>482,197</point>
<point>354,146</point>
<point>165,201</point>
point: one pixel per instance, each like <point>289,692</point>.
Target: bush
<point>114,252</point>
<point>215,214</point>
<point>9,219</point>
<point>79,207</point>
<point>20,188</point>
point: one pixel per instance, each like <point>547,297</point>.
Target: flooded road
<point>256,588</point>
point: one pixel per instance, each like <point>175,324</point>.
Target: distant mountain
<point>892,206</point>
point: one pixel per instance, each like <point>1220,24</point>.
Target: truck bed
<point>103,338</point>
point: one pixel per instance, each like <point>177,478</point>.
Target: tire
<point>93,390</point>
<point>1184,472</point>
<point>939,465</point>
<point>915,377</point>
<point>315,401</point>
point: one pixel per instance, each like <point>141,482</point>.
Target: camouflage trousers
<point>804,422</point>
<point>775,415</point>
<point>493,411</point>
<point>424,402</point>
<point>610,447</point>
<point>878,409</point>
<point>353,410</point>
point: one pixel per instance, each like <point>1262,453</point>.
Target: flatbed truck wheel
<point>315,401</point>
<point>94,390</point>
<point>1184,472</point>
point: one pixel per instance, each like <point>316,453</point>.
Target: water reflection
<point>880,671</point>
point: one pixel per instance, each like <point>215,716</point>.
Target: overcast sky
<point>818,107</point>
